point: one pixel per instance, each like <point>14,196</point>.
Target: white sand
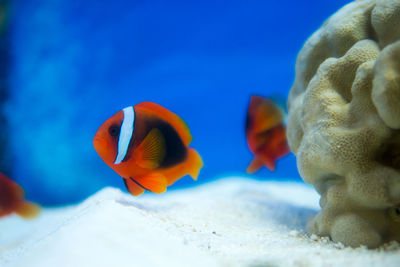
<point>231,222</point>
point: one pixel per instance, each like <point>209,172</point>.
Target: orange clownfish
<point>266,133</point>
<point>12,200</point>
<point>147,145</point>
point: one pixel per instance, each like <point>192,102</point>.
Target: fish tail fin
<point>195,163</point>
<point>28,210</point>
<point>255,165</point>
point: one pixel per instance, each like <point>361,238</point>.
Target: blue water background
<point>75,63</point>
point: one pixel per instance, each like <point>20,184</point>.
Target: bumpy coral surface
<point>344,122</point>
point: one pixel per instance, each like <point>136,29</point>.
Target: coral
<point>344,123</point>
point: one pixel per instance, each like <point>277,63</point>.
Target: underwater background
<point>73,64</point>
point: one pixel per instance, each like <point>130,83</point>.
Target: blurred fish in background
<point>69,63</point>
<point>12,200</point>
<point>266,133</point>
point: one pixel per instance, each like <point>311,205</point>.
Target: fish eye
<point>394,213</point>
<point>113,130</point>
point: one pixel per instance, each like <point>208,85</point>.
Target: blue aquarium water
<point>75,63</point>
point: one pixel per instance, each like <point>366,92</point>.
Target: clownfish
<point>266,133</point>
<point>147,145</point>
<point>12,200</point>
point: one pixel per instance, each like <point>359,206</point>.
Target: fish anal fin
<point>132,187</point>
<point>27,210</point>
<point>255,165</point>
<point>154,182</point>
<point>151,152</point>
<point>195,163</point>
<point>270,164</point>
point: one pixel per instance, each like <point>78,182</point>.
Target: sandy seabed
<point>230,222</point>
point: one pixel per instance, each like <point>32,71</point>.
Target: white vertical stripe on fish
<point>125,134</point>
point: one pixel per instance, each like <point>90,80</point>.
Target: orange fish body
<point>148,146</point>
<point>266,133</point>
<point>12,200</point>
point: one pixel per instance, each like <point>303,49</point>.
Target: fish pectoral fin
<point>132,187</point>
<point>152,150</point>
<point>255,165</point>
<point>154,182</point>
<point>261,138</point>
<point>27,210</point>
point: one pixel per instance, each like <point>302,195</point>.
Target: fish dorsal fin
<point>154,182</point>
<point>268,116</point>
<point>132,187</point>
<point>176,122</point>
<point>281,103</point>
<point>279,100</point>
<point>151,152</point>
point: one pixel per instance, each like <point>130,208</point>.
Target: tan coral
<point>344,122</point>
